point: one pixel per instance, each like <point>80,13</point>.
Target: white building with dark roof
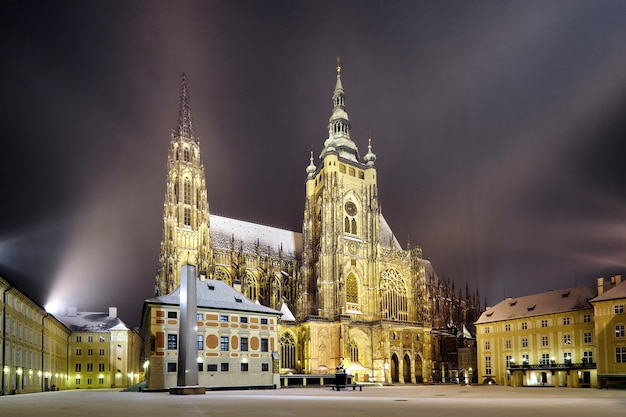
<point>103,351</point>
<point>237,339</point>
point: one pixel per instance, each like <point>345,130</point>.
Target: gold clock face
<point>350,208</point>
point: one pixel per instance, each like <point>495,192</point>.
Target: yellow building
<point>33,344</point>
<point>610,322</point>
<point>237,339</point>
<point>103,351</point>
<point>542,339</point>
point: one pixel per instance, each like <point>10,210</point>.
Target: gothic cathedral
<point>349,293</point>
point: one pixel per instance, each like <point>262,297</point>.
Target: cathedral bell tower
<point>341,225</point>
<point>186,238</point>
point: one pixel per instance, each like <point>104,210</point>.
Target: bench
<point>354,387</point>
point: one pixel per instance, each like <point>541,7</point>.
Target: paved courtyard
<point>431,401</point>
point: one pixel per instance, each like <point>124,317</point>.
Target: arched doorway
<point>395,376</point>
<point>418,369</point>
<point>406,372</point>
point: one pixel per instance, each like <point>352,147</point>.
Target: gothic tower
<point>341,225</point>
<point>186,236</point>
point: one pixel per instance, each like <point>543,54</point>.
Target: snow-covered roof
<point>216,294</point>
<point>430,272</point>
<point>287,315</point>
<point>248,235</point>
<point>387,238</point>
<point>91,322</point>
<point>617,292</point>
<point>551,302</point>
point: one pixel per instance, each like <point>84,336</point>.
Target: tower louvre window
<point>186,155</point>
<point>353,223</point>
<point>187,191</point>
<point>352,289</point>
<point>187,216</point>
<point>347,225</point>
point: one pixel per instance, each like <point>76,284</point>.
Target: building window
<point>90,367</point>
<point>244,366</point>
<point>619,330</point>
<point>265,367</point>
<point>586,318</point>
<point>545,359</point>
<point>354,352</point>
<point>507,327</point>
<point>101,381</point>
<point>243,319</point>
<point>200,366</point>
<point>524,342</point>
<point>101,352</point>
<point>619,309</point>
<point>211,367</point>
<point>100,367</point>
<point>487,330</point>
<point>89,381</point>
<point>79,339</point>
<point>101,339</point>
<point>171,367</point>
<point>172,314</point>
<point>172,341</point>
<point>567,339</point>
<point>200,340</point>
<point>544,323</point>
<point>288,351</point>
<point>77,381</point>
<point>525,360</point>
<point>487,365</point>
<point>620,354</point>
<point>487,345</point>
<point>187,216</point>
<point>567,358</point>
<point>352,289</point>
<point>199,317</point>
<point>78,367</point>
<point>224,318</point>
<point>224,343</point>
<point>264,321</point>
<point>393,296</point>
<point>507,343</point>
<point>508,359</point>
<point>588,357</point>
<point>243,344</point>
<point>587,337</point>
<point>264,345</point>
<point>90,352</point>
<point>524,326</point>
<point>565,321</point>
<point>224,366</point>
<point>90,339</point>
<point>186,192</point>
<point>544,341</point>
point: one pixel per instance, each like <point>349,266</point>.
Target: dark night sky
<point>499,126</point>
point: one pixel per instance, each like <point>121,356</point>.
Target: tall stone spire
<point>186,229</point>
<point>185,122</point>
<point>339,141</point>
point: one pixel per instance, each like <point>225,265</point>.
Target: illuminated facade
<point>610,321</point>
<point>237,339</point>
<point>103,351</point>
<point>550,338</point>
<point>33,345</point>
<point>345,285</point>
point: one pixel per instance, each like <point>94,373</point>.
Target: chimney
<point>71,312</point>
<point>202,276</point>
<point>618,279</point>
<point>600,285</point>
<point>113,312</point>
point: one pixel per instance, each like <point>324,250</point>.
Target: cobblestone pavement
<point>412,400</point>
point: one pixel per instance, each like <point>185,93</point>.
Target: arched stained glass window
<point>393,296</point>
<point>352,289</point>
<point>354,351</point>
<point>287,351</point>
<point>251,287</point>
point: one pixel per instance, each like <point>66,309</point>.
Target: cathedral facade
<point>350,295</point>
